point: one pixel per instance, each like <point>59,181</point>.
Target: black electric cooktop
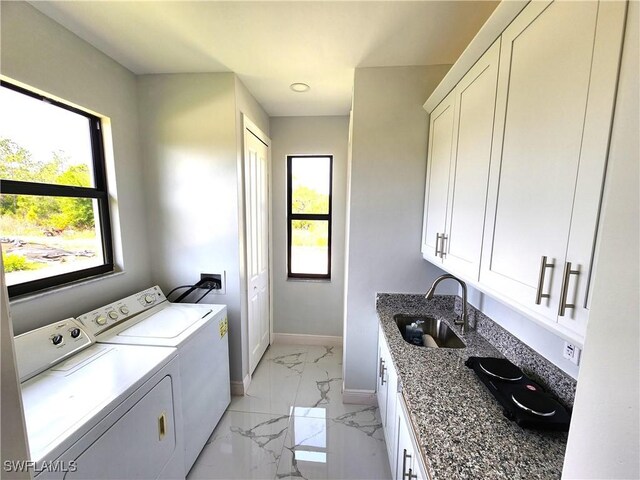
<point>523,400</point>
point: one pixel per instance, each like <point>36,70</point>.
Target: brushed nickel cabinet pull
<point>384,369</point>
<point>543,268</point>
<point>443,238</point>
<point>404,463</point>
<point>380,366</point>
<point>565,287</point>
<point>437,243</point>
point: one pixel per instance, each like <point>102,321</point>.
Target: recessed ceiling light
<point>299,87</point>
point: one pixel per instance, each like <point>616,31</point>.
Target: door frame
<point>249,125</point>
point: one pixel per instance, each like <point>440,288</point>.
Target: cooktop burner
<point>500,368</point>
<point>523,400</point>
<point>535,403</point>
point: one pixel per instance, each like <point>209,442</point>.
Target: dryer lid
<point>169,322</point>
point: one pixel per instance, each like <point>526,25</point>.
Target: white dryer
<point>99,411</point>
<point>198,331</point>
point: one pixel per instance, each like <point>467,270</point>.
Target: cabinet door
<point>409,465</point>
<point>475,97</point>
<point>545,98</point>
<point>390,428</point>
<point>405,452</point>
<point>437,184</point>
<point>382,385</point>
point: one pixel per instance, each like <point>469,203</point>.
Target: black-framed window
<point>309,195</point>
<point>54,203</point>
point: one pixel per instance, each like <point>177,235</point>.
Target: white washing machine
<point>99,411</point>
<point>198,331</point>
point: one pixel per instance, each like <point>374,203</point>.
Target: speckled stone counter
<point>458,424</point>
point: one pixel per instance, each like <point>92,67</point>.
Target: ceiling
<point>271,44</point>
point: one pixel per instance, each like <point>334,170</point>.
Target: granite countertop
<point>458,424</point>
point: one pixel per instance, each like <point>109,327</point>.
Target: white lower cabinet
<point>386,392</point>
<point>409,464</point>
<point>405,460</point>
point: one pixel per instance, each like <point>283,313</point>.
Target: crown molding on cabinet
<point>501,17</point>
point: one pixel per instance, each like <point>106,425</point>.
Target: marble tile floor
<point>292,424</point>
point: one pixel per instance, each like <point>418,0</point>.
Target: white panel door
<point>257,241</point>
<point>543,89</point>
<point>475,97</point>
<point>437,183</point>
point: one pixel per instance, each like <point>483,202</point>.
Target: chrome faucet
<point>464,318</point>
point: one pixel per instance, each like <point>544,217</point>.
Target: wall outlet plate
<point>571,353</point>
<point>221,277</point>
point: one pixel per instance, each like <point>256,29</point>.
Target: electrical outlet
<point>571,353</point>
<point>217,277</point>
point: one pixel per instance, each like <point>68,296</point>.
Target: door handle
<point>565,287</point>
<point>443,239</point>
<point>437,243</point>
<point>382,370</point>
<point>410,474</point>
<point>543,268</point>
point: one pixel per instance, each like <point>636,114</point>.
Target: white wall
<point>388,166</point>
<point>604,439</point>
<point>40,53</point>
<point>190,139</point>
<point>307,306</point>
<point>543,341</point>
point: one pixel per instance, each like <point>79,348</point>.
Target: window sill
<point>62,288</point>
<point>309,280</point>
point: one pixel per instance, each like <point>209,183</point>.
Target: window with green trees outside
<point>54,211</point>
<point>309,184</point>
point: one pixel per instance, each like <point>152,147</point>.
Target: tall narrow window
<point>309,183</point>
<point>54,208</point>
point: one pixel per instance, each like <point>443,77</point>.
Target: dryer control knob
<point>124,310</point>
<point>75,333</point>
<point>149,299</point>
<point>101,320</point>
<point>113,315</point>
<point>57,339</point>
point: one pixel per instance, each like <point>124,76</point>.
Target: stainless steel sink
<point>440,331</point>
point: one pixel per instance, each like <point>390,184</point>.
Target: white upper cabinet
<point>475,98</point>
<point>552,105</point>
<point>460,133</point>
<point>438,168</point>
<point>523,140</point>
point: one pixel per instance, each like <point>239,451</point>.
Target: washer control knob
<point>75,332</point>
<point>124,310</point>
<point>113,315</point>
<point>101,320</point>
<point>57,339</point>
<point>148,299</point>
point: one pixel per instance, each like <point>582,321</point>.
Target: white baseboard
<point>359,397</point>
<point>239,388</point>
<point>302,339</point>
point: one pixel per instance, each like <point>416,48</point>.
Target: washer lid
<point>169,322</point>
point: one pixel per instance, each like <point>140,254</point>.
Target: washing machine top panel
<point>64,402</point>
<point>168,324</point>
